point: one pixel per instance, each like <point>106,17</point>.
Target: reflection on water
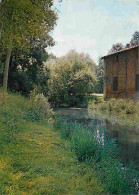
<point>127,137</point>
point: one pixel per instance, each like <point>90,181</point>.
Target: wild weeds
<point>116,106</point>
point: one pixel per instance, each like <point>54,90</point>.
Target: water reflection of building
<point>127,140</point>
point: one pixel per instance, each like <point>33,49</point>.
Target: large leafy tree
<point>27,70</point>
<point>71,78</point>
<point>21,22</point>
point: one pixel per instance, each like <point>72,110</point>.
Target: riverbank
<point>42,154</point>
<point>101,154</point>
<point>122,109</point>
<point>33,157</point>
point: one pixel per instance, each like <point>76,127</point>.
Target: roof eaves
<point>126,49</point>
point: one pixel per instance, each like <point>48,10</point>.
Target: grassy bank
<point>102,156</point>
<point>33,157</point>
<point>122,108</point>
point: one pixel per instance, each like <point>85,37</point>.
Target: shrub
<point>124,106</point>
<point>71,78</point>
<point>39,109</point>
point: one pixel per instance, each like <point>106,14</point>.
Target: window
<point>137,82</point>
<point>115,83</point>
<point>117,58</point>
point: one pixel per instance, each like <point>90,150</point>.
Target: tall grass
<point>102,155</point>
<point>34,109</point>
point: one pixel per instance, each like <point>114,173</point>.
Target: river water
<point>127,136</point>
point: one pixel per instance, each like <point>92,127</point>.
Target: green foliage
<point>116,47</point>
<point>119,46</point>
<point>23,20</point>
<point>116,106</point>
<point>135,39</point>
<point>27,71</point>
<point>116,178</point>
<point>33,158</point>
<point>39,108</point>
<point>102,156</point>
<point>84,144</point>
<point>100,76</point>
<point>71,78</point>
<point>36,108</point>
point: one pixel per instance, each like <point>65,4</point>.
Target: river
<point>127,136</point>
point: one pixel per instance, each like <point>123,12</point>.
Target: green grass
<point>33,157</point>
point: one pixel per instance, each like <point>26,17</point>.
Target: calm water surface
<point>127,136</point>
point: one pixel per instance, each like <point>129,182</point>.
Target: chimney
<point>127,45</point>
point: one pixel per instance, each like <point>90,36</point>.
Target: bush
<point>71,78</point>
<point>39,109</point>
<point>124,106</point>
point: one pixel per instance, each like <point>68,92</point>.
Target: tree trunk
<point>6,68</point>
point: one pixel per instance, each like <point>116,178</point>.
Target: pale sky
<point>92,26</point>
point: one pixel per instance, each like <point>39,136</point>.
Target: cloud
<point>64,43</point>
<point>130,1</point>
<point>92,26</point>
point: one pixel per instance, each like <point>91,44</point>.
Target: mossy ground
<point>34,159</point>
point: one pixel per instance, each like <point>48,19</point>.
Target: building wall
<point>125,66</point>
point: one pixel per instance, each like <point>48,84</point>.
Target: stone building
<point>122,74</point>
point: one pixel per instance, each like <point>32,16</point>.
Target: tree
<point>116,47</point>
<point>73,56</point>
<point>71,78</point>
<point>135,39</point>
<point>23,21</point>
<point>27,71</point>
<point>100,76</point>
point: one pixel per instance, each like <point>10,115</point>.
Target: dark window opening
<point>137,82</point>
<point>116,58</point>
<point>115,83</point>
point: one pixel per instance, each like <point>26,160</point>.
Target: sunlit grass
<point>33,157</point>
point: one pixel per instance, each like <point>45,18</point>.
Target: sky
<point>93,26</point>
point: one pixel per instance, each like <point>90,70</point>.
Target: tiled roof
<point>125,49</point>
